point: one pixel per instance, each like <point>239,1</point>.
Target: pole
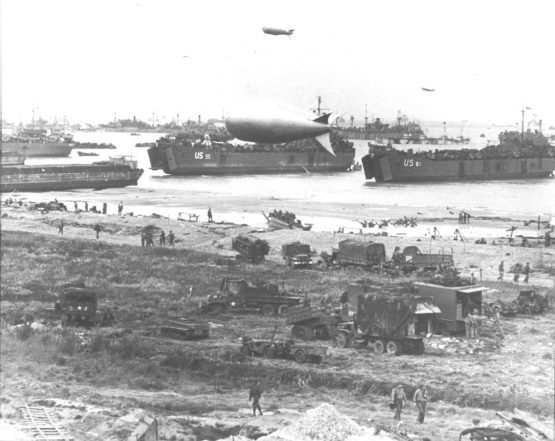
<point>522,129</point>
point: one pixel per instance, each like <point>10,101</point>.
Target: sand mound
<point>325,423</point>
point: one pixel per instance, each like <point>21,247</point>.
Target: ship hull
<point>67,177</point>
<point>38,149</point>
<point>397,166</point>
<point>180,161</point>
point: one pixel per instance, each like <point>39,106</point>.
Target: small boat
<point>87,153</point>
<point>285,221</point>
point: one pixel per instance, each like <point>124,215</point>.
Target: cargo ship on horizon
<point>216,154</point>
<point>519,155</point>
<point>119,171</point>
<point>31,142</point>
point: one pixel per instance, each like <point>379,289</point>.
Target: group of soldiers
<point>517,272</point>
<point>399,399</point>
<point>95,210</point>
<point>147,238</point>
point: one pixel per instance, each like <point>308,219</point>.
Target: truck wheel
<point>268,352</point>
<point>419,350</point>
<point>342,340</point>
<point>300,356</point>
<point>282,310</point>
<point>267,310</point>
<point>393,348</point>
<point>527,310</point>
<point>379,347</point>
<point>298,332</point>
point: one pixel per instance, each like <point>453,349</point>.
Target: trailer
<point>455,303</point>
<point>185,329</point>
<point>361,253</point>
<point>287,349</point>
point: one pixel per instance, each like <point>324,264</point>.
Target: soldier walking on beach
<point>104,208</point>
<point>86,206</point>
<point>254,395</point>
<point>210,219</point>
<point>97,228</point>
<point>516,277</point>
<point>421,400</point>
<point>61,228</point>
<point>75,207</point>
<point>120,208</point>
<point>526,272</point>
<point>399,399</point>
<point>162,238</point>
<point>171,238</point>
<point>501,271</point>
<point>143,239</point>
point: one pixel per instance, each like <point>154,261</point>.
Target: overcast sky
<point>90,59</point>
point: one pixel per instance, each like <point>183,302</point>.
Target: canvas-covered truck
<point>78,305</point>
<point>297,255</point>
<point>240,296</point>
<point>455,302</point>
<point>250,248</point>
<point>361,253</point>
<point>412,259</point>
<point>384,322</point>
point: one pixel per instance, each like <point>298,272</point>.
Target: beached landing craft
<point>35,142</point>
<point>518,156</point>
<point>117,172</point>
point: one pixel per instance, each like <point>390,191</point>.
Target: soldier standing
<point>254,395</point>
<point>516,277</point>
<point>399,399</point>
<point>421,400</point>
<point>86,206</point>
<point>97,229</point>
<point>210,219</point>
<point>75,206</point>
<point>469,325</point>
<point>120,208</point>
<point>171,238</point>
<point>143,239</point>
<point>526,272</point>
<point>61,228</point>
<point>162,238</point>
<point>501,271</point>
<point>104,208</point>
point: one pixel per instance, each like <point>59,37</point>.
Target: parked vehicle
<point>297,254</point>
<point>455,303</point>
<point>77,306</point>
<point>531,302</point>
<point>502,307</point>
<point>237,295</point>
<point>250,248</point>
<point>384,322</point>
<point>287,349</point>
<point>362,253</point>
<point>412,259</point>
<point>185,328</point>
<point>315,322</point>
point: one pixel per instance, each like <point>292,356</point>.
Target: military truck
<point>455,303</point>
<point>250,248</point>
<point>361,253</point>
<point>412,259</point>
<point>238,295</point>
<point>77,306</point>
<point>314,322</point>
<point>531,302</point>
<point>297,255</point>
<point>287,349</point>
<point>385,322</point>
<point>185,328</point>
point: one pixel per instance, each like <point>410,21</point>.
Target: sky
<point>93,60</point>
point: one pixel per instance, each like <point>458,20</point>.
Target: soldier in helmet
<point>255,394</point>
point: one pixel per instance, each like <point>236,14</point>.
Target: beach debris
<point>45,207</point>
<point>192,217</point>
